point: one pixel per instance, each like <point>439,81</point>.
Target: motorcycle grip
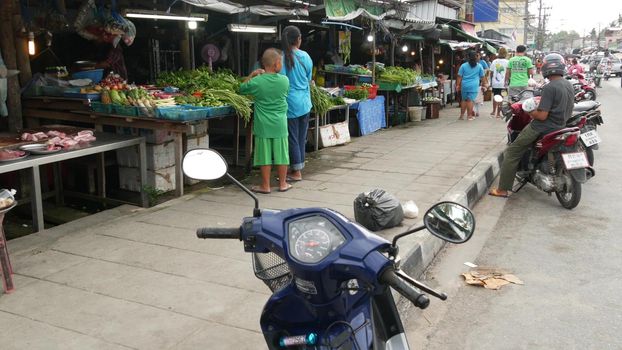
<point>218,233</point>
<point>419,299</point>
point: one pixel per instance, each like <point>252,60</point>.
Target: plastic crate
<point>92,97</point>
<point>220,111</point>
<point>182,113</point>
<point>386,86</point>
<point>99,107</point>
<point>128,111</point>
<point>55,91</point>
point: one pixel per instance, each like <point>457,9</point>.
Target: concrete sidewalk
<point>132,278</point>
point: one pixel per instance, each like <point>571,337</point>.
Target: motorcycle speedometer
<point>311,239</point>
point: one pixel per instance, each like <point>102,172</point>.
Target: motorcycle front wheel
<point>571,195</point>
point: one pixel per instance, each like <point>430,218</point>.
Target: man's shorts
<point>499,92</point>
<point>469,96</point>
<point>271,151</point>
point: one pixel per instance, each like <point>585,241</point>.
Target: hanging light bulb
<point>405,48</point>
<point>440,61</point>
<point>370,37</point>
<point>412,53</point>
<point>31,43</point>
<point>192,25</point>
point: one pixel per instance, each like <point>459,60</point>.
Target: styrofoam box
<point>158,156</point>
<point>162,179</point>
<point>330,135</point>
<point>151,136</point>
<point>194,142</point>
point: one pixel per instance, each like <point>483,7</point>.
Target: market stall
<point>43,146</point>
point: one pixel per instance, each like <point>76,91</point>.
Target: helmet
<point>553,64</point>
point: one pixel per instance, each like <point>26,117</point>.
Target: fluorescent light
<point>299,21</point>
<point>192,25</point>
<point>160,15</point>
<point>249,28</point>
<point>31,43</point>
<point>304,3</point>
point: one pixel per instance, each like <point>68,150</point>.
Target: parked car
<point>616,67</point>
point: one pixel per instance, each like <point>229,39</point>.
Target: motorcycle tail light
<point>571,139</point>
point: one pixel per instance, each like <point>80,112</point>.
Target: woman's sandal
<point>498,193</point>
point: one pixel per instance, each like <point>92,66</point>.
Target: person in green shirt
<point>520,69</point>
<point>270,119</point>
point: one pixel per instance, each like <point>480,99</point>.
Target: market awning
<point>470,37</point>
<point>230,7</point>
<point>413,37</point>
<point>460,45</point>
<point>347,10</point>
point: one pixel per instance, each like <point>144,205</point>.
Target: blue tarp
<point>371,115</point>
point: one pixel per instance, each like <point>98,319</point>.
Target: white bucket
<point>415,113</point>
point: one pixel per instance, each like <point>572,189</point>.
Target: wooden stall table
<point>105,142</point>
<point>395,90</point>
<point>78,110</point>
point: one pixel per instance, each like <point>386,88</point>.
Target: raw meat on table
<point>11,154</point>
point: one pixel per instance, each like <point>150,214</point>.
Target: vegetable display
<point>399,75</point>
<point>208,89</point>
<point>320,100</point>
<point>360,93</point>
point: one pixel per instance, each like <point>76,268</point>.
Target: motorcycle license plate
<point>590,138</point>
<point>575,160</point>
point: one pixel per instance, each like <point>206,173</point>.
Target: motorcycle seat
<point>585,106</point>
<point>556,133</point>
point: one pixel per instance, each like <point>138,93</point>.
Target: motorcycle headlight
<point>312,239</point>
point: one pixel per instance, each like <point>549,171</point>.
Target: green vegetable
<point>357,94</point>
<point>199,79</point>
<point>241,104</point>
<point>399,75</point>
<point>320,100</point>
<point>338,101</point>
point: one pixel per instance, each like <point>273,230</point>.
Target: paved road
<point>570,262</point>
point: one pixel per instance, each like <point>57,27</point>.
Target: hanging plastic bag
<point>377,210</point>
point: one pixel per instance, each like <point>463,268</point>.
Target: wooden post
<point>7,45</point>
<point>21,51</point>
<point>253,51</point>
<point>184,45</point>
<point>373,58</point>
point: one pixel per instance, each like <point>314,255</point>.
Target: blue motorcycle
<point>331,278</point>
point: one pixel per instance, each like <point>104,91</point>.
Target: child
<point>270,119</point>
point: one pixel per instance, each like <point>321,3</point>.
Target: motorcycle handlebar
<point>419,299</point>
<point>219,233</point>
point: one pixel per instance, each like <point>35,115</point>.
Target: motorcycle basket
<point>272,270</point>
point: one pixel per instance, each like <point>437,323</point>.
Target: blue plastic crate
<point>182,113</point>
<point>95,75</point>
<point>220,111</point>
<point>99,107</point>
<point>128,111</point>
<point>92,97</point>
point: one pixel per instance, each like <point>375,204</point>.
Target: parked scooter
<point>587,117</point>
<point>584,88</point>
<point>557,161</point>
<point>330,277</point>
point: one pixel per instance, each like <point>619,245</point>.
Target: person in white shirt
<point>497,71</point>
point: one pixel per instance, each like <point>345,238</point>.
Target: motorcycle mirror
<point>204,164</point>
<point>450,221</point>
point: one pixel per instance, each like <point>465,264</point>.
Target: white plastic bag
<point>411,210</point>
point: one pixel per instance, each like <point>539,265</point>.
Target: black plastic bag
<point>378,210</point>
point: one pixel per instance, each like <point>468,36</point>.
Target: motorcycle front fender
<point>579,175</point>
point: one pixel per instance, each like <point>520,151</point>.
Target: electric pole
<point>539,32</point>
<point>526,27</point>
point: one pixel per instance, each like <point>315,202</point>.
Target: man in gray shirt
<point>552,113</point>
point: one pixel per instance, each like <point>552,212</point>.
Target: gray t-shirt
<point>558,100</point>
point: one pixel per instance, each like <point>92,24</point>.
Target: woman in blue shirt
<point>468,84</point>
<point>298,67</point>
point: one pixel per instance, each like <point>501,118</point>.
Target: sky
<point>578,15</point>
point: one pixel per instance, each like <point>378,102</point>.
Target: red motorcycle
<point>555,163</point>
<point>584,89</point>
